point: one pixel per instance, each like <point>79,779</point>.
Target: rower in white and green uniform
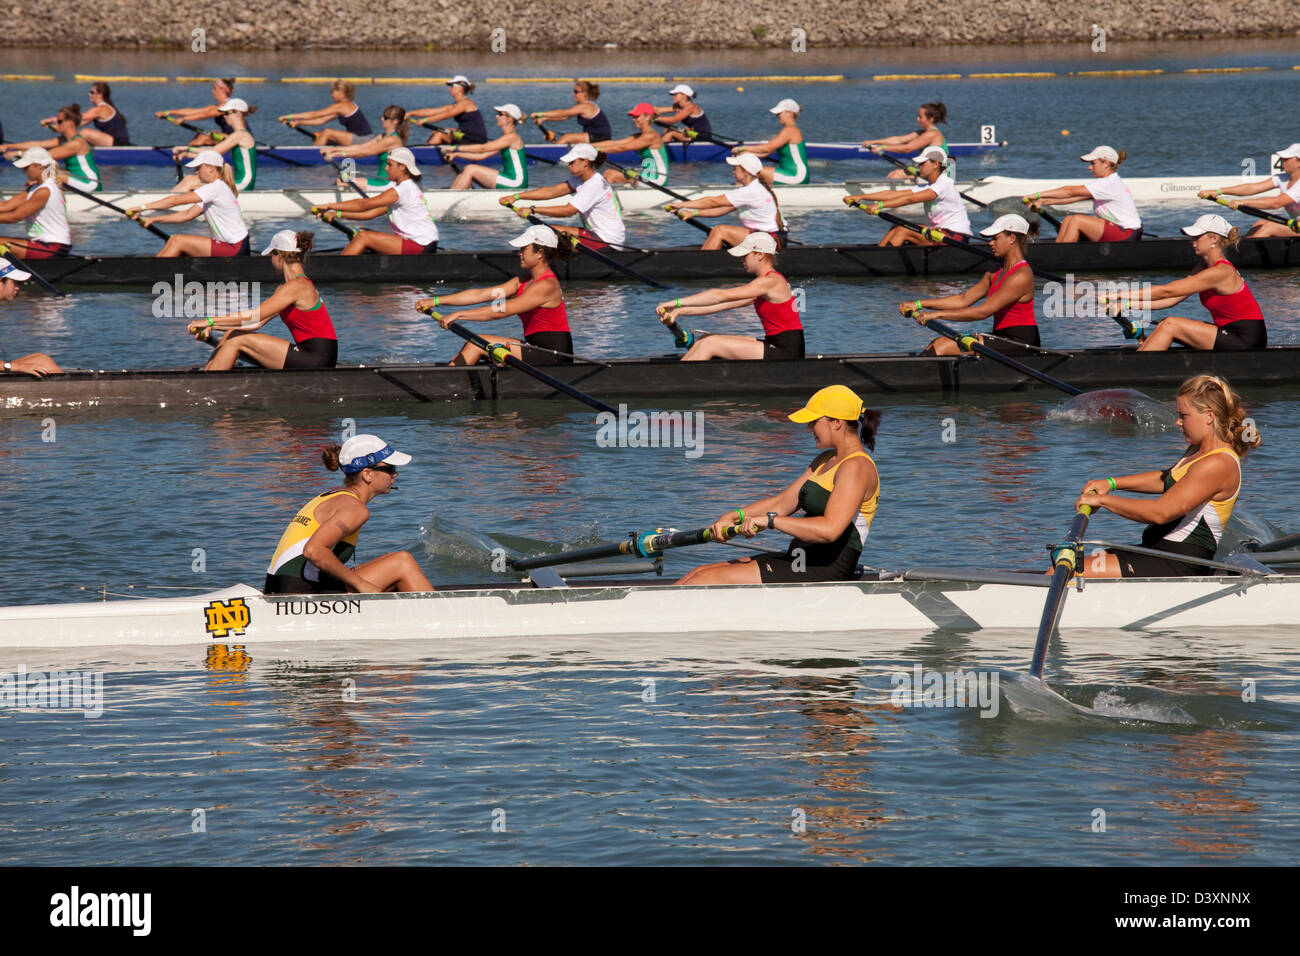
<point>513,173</point>
<point>787,147</point>
<point>396,129</point>
<point>237,147</point>
<point>77,153</point>
<point>927,133</point>
<point>647,142</point>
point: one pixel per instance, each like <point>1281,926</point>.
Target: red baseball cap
<point>641,109</point>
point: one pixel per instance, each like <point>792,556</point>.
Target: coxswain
<point>43,205</point>
<point>312,554</point>
<point>38,364</point>
<point>71,146</point>
<point>462,109</point>
<point>927,133</point>
<point>414,232</point>
<point>753,201</point>
<point>396,130</point>
<point>537,299</point>
<point>237,146</point>
<point>215,199</point>
<point>686,112</point>
<point>593,200</point>
<point>103,124</point>
<point>594,123</point>
<point>646,141</point>
<point>1114,216</point>
<point>513,173</point>
<point>344,109</point>
<point>1236,321</point>
<point>769,294</point>
<point>944,207</point>
<point>296,301</point>
<point>838,494</point>
<point>1006,294</point>
<point>222,90</point>
<point>788,145</point>
<point>1196,496</point>
<point>1286,203</point>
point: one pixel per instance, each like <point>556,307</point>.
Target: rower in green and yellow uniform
<point>646,141</point>
<point>1196,496</point>
<point>77,152</point>
<point>927,133</point>
<point>237,147</point>
<point>322,536</point>
<point>513,173</point>
<point>838,493</point>
<point>396,129</point>
<point>788,145</point>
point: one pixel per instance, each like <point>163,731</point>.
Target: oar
<point>1066,559</point>
<point>25,265</point>
<point>104,202</point>
<point>598,256</point>
<point>171,151</point>
<point>350,180</point>
<point>1292,224</point>
<point>683,338</point>
<point>322,213</point>
<point>458,135</point>
<point>218,136</point>
<point>968,342</point>
<point>642,544</point>
<point>1024,201</point>
<point>298,129</point>
<point>501,353</point>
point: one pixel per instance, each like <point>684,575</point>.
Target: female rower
<point>928,118</point>
<point>323,534</point>
<point>396,129</point>
<point>216,200</point>
<point>754,202</point>
<point>38,364</point>
<point>1007,295</point>
<point>42,205</point>
<point>296,301</point>
<point>509,146</point>
<point>1287,180</point>
<point>1197,494</point>
<point>71,146</point>
<point>238,146</point>
<point>944,207</point>
<point>593,200</point>
<point>462,109</point>
<point>222,90</point>
<point>647,141</point>
<point>538,301</point>
<point>791,153</point>
<point>1236,320</point>
<point>686,112</point>
<point>594,123</point>
<point>414,232</point>
<point>1115,217</point>
<point>771,297</point>
<point>838,492</point>
<point>344,109</point>
<point>109,124</point>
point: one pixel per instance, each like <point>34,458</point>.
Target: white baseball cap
<point>405,157</point>
<point>748,162</point>
<point>34,154</point>
<point>461,79</point>
<point>580,151</point>
<point>755,242</point>
<point>934,153</point>
<point>207,157</point>
<point>1208,223</point>
<point>510,110</point>
<point>233,105</point>
<point>682,88</point>
<point>283,241</point>
<point>10,271</point>
<point>1291,151</point>
<point>366,451</point>
<point>1101,152</point>
<point>538,236</point>
<point>785,106</point>
<point>1008,223</point>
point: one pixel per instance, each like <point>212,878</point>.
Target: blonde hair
<point>348,90</point>
<point>1209,393</point>
<point>1230,240</point>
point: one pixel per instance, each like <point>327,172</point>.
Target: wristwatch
<point>9,366</point>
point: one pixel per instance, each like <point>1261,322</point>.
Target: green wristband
<point>740,515</point>
<point>918,304</point>
<point>679,303</point>
<point>435,301</point>
<point>1038,195</point>
<point>211,322</point>
<point>1112,483</point>
<point>1219,192</point>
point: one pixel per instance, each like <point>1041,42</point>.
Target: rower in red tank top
<point>538,300</point>
<point>1239,306</point>
<point>770,295</point>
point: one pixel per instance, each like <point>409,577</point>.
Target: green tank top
<point>244,161</point>
<point>654,165</point>
<point>514,169</point>
<point>82,165</point>
<point>792,164</point>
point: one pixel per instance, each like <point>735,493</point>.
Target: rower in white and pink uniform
<point>1114,214</point>
<point>944,207</point>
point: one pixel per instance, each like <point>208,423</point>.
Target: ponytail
<point>936,111</point>
<point>780,220</point>
<point>1122,156</point>
<point>1209,393</point>
<point>102,90</point>
<point>868,423</point>
<point>397,114</point>
<point>228,177</point>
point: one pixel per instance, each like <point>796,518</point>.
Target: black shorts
<point>284,584</point>
<point>784,345</point>
<point>313,353</point>
<point>1152,566</point>
<point>820,562</point>
<point>558,341</point>
<point>1024,340</point>
<point>1242,334</point>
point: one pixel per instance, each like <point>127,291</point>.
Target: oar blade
<point>1115,404</point>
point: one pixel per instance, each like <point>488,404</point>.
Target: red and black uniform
<point>1015,321</point>
<point>1238,317</point>
<point>316,345</point>
<point>546,328</point>
<point>782,329</point>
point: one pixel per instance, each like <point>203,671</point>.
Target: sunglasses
<point>386,469</point>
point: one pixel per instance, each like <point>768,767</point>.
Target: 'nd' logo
<point>227,618</point>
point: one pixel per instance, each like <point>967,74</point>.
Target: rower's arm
<point>185,215</point>
<point>731,296</point>
<point>889,140</point>
<point>548,115</point>
<point>346,518</point>
<point>251,319</point>
<point>1061,196</point>
<point>534,297</point>
<point>771,146</point>
<point>880,195</point>
<point>1268,202</point>
<point>1243,189</point>
<point>555,212</point>
<point>970,308</point>
<point>178,199</point>
<point>315,117</point>
<point>1164,296</point>
<point>375,204</point>
<point>908,198</point>
<point>1212,477</point>
<point>669,115</point>
<point>194,113</point>
<point>30,143</point>
<point>542,192</point>
<point>855,481</point>
<point>482,150</point>
<point>372,148</point>
<point>25,206</point>
<point>470,296</point>
<point>435,113</point>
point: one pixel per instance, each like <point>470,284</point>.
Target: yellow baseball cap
<point>833,401</point>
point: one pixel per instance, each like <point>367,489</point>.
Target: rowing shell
<point>661,379</point>
<point>966,602</point>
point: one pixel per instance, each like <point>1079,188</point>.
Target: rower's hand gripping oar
<point>218,136</point>
<point>324,216</point>
<point>640,544</point>
<point>595,254</point>
<point>499,352</point>
<point>1029,201</point>
<point>683,338</point>
<point>1067,560</point>
<point>1293,224</point>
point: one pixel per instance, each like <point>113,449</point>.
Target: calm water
<point>655,749</point>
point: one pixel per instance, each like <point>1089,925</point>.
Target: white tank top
<point>51,223</point>
<point>221,210</point>
<point>410,216</point>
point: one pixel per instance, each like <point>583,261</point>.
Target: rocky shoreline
<point>498,26</point>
